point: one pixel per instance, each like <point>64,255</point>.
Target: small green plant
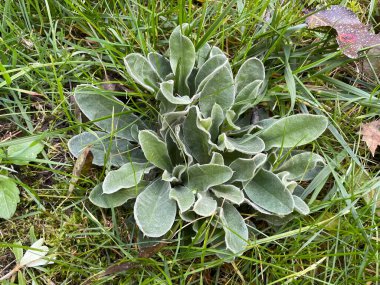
<point>18,154</point>
<point>208,152</point>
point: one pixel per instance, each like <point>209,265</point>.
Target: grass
<point>48,47</point>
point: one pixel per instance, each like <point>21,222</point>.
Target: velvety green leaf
<point>276,220</point>
<point>294,131</point>
<point>205,206</point>
<point>165,106</point>
<point>182,58</point>
<point>9,197</point>
<point>229,192</point>
<point>178,170</point>
<point>235,228</point>
<point>289,184</point>
<point>118,153</point>
<point>154,211</point>
<point>202,54</point>
<point>216,51</point>
<point>229,124</point>
<point>248,97</point>
<point>217,158</point>
<point>118,119</point>
<point>248,144</point>
<point>178,137</point>
<point>212,64</point>
<point>188,216</point>
<point>218,89</point>
<point>251,70</point>
<point>217,119</point>
<point>245,168</point>
<point>167,90</point>
<point>142,71</point>
<point>127,176</point>
<point>267,191</point>
<point>184,196</point>
<point>23,153</point>
<point>160,64</point>
<point>168,120</point>
<point>116,199</point>
<point>300,165</point>
<point>175,175</point>
<point>300,206</point>
<point>257,207</point>
<point>155,150</point>
<point>196,138</point>
<point>202,177</point>
<point>167,176</point>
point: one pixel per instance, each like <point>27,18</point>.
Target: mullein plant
<point>206,155</point>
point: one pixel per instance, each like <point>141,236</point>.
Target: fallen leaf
<point>83,163</point>
<point>371,135</point>
<point>353,35</point>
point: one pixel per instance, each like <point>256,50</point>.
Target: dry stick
<point>11,273</point>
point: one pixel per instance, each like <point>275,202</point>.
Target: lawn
<point>48,47</point>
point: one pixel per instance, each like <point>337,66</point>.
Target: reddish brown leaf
<point>353,35</point>
<point>371,135</point>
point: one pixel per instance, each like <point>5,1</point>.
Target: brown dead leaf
<point>371,135</point>
<point>353,35</point>
<point>84,161</point>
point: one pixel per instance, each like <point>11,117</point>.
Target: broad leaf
<point>267,191</point>
<point>127,176</point>
<point>208,68</point>
<point>178,137</point>
<point>300,206</point>
<point>217,119</point>
<point>167,90</point>
<point>182,58</point>
<point>248,97</point>
<point>9,197</point>
<point>142,71</point>
<point>300,165</point>
<point>155,150</point>
<point>246,168</point>
<point>235,228</point>
<point>115,116</point>
<point>154,211</point>
<point>229,124</point>
<point>217,158</point>
<point>229,192</point>
<point>202,177</point>
<point>218,89</point>
<point>175,175</point>
<point>202,54</point>
<point>196,138</point>
<point>205,206</point>
<point>171,119</point>
<point>23,153</point>
<point>215,51</point>
<point>116,199</point>
<point>184,196</point>
<point>294,131</point>
<point>248,144</point>
<point>160,64</point>
<point>118,153</point>
<point>251,70</point>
